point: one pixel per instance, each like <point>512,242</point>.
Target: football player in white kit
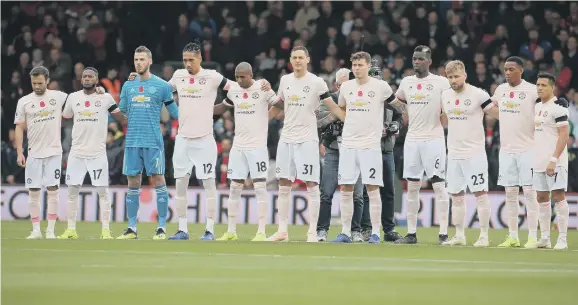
<point>465,105</point>
<point>551,161</point>
<point>360,153</point>
<point>196,89</point>
<point>40,113</point>
<point>299,94</point>
<point>249,154</point>
<point>425,146</point>
<point>88,151</point>
<point>515,100</point>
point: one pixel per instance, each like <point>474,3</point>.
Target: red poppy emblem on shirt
<point>359,93</point>
<point>42,104</point>
<point>141,89</point>
<point>457,102</point>
<point>540,113</point>
<point>245,95</point>
<point>87,104</point>
<point>511,94</point>
<point>418,86</point>
<point>191,80</point>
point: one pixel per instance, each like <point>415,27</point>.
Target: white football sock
<point>261,194</point>
<point>34,206</point>
<point>283,208</point>
<point>72,205</point>
<point>531,210</point>
<point>483,203</point>
<point>211,196</point>
<point>314,203</point>
<point>443,204</point>
<point>346,207</point>
<point>52,208</point>
<point>233,205</point>
<point>545,217</point>
<point>104,201</point>
<point>412,205</point>
<point>375,211</point>
<point>182,185</point>
<point>513,208</point>
<point>562,215</point>
<point>459,214</point>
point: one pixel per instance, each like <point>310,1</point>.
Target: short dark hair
<point>361,55</point>
<point>91,69</point>
<point>143,49</point>
<point>300,48</point>
<point>193,47</point>
<point>515,59</point>
<point>40,70</point>
<point>423,49</point>
<point>551,78</point>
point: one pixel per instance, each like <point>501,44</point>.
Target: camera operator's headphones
<point>375,70</point>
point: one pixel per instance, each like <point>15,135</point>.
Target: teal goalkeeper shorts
<point>137,158</point>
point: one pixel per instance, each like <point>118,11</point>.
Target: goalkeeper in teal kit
<point>142,101</point>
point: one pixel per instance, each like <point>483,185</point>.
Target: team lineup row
<point>533,131</point>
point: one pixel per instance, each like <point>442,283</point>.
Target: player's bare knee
<point>311,184</point>
<point>285,182</point>
<point>414,179</point>
<point>241,181</point>
<point>52,188</point>
<point>558,195</point>
<point>482,193</point>
<point>461,193</point>
<point>258,180</point>
<point>158,180</point>
<point>543,197</point>
<point>347,188</point>
<point>134,181</point>
<point>34,190</point>
<point>371,188</point>
<point>436,179</point>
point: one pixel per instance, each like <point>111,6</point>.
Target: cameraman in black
<point>331,137</point>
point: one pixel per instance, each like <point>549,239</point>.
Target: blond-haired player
<point>249,154</point>
<point>299,95</point>
<point>88,151</point>
<point>40,114</point>
<point>551,161</point>
<point>360,153</point>
<point>464,105</point>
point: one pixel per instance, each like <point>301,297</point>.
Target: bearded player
<point>425,146</point>
<point>40,114</point>
<point>142,101</point>
<point>196,90</point>
<point>88,152</point>
<point>465,105</point>
<point>249,154</point>
<point>299,95</point>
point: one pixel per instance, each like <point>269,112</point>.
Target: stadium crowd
<point>68,36</point>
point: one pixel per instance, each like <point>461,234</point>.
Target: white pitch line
<point>322,257</point>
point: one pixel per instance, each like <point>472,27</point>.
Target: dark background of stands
<point>67,36</point>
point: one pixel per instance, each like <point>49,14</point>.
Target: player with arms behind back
<point>88,152</point>
<point>249,154</point>
<point>425,146</point>
<point>360,151</point>
<point>551,161</point>
<point>142,100</point>
<point>298,148</point>
<point>40,113</point>
<point>464,106</point>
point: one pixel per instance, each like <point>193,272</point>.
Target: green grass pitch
<point>146,272</point>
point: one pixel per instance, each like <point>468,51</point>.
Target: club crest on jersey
<point>429,87</point>
<point>52,102</point>
<point>371,94</point>
<point>202,81</point>
<point>87,104</point>
<point>545,114</point>
<point>306,89</point>
<point>98,104</point>
<point>42,104</point>
<point>522,95</point>
<point>467,102</point>
<point>255,95</point>
<point>28,180</point>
